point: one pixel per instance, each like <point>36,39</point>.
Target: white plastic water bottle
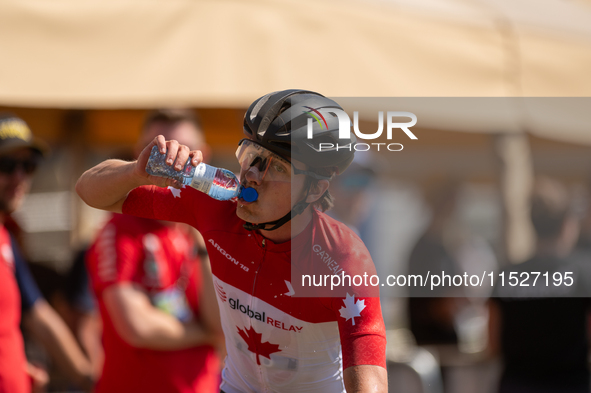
<point>218,183</point>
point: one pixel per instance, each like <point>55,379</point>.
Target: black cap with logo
<point>15,133</point>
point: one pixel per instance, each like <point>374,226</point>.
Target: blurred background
<point>83,75</point>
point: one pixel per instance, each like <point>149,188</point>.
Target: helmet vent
<point>286,105</point>
<point>285,130</point>
<point>258,106</point>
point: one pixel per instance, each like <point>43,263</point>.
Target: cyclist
<point>275,339</point>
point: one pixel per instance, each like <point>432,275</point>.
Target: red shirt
<point>13,376</point>
<point>279,336</point>
<point>159,258</point>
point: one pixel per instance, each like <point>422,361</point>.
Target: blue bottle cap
<point>249,194</point>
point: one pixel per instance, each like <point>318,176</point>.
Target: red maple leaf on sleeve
<point>256,344</point>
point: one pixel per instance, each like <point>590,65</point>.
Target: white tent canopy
<point>225,53</point>
<point>137,53</point>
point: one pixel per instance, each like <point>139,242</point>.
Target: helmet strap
<point>296,210</point>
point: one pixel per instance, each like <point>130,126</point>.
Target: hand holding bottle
<point>175,156</point>
<point>218,183</point>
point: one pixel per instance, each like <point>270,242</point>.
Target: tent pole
<point>516,181</point>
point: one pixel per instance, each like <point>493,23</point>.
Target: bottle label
<point>203,178</point>
<point>157,166</point>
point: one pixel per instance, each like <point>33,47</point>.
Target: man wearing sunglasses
<point>276,340</point>
<point>19,156</point>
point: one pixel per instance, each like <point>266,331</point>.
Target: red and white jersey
<point>277,341</point>
<point>13,376</point>
<point>158,258</point>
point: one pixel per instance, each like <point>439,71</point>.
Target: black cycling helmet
<point>279,122</point>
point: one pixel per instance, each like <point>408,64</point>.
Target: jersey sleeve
<point>29,290</point>
<point>356,307</point>
<point>113,258</point>
<point>362,330</point>
<point>168,204</point>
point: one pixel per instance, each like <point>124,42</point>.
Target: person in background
<point>432,313</point>
<point>583,246</point>
<point>70,294</point>
<point>539,324</point>
<point>20,154</point>
<point>160,327</point>
<point>82,312</point>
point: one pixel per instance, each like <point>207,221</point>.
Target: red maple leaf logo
<point>256,344</point>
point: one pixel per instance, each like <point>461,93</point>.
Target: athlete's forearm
<point>366,379</point>
<point>106,185</point>
<point>47,326</point>
<point>89,334</point>
<point>142,325</point>
<point>160,331</point>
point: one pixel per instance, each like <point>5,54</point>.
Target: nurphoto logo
<point>319,116</point>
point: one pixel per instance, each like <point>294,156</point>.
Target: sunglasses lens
<point>271,166</point>
<point>29,166</point>
<point>9,165</point>
<point>249,154</point>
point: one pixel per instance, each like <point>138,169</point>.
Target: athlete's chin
<point>244,214</point>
